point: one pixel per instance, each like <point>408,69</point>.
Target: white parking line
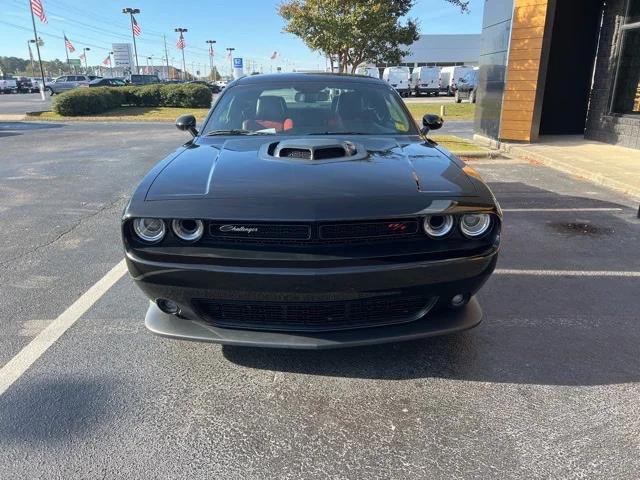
<point>29,354</point>
<point>568,273</point>
<point>562,209</point>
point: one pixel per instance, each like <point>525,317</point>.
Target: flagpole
<point>166,55</point>
<point>35,34</point>
<point>66,50</point>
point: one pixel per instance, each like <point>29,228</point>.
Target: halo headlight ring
<point>438,226</point>
<point>189,230</point>
<point>475,225</point>
<point>149,230</point>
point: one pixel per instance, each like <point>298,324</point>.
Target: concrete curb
<point>597,178</point>
<point>11,117</point>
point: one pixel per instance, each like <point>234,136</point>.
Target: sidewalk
<point>609,165</point>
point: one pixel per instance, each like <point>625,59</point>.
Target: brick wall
<point>601,125</point>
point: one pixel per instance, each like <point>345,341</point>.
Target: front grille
<point>315,316</point>
<point>313,234</point>
<point>368,230</point>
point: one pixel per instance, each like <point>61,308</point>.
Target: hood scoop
<point>314,149</point>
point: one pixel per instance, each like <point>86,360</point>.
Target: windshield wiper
<point>236,131</point>
<point>339,133</point>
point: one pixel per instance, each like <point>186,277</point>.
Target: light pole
<point>33,70</point>
<point>131,12</point>
<point>148,58</point>
<point>86,64</point>
<point>181,47</point>
<point>211,42</point>
<point>110,65</point>
<point>230,55</point>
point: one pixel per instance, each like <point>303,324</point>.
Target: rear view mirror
<point>188,123</point>
<point>431,122</point>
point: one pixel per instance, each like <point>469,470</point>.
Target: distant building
<point>444,51</point>
<point>163,72</point>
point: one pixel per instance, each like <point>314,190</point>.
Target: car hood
<point>233,176</point>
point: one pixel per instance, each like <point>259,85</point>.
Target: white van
<point>425,80</point>
<point>398,78</point>
<point>450,76</point>
<point>368,71</point>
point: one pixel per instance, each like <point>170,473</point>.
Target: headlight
<point>188,230</point>
<point>438,226</point>
<point>474,225</point>
<point>150,230</point>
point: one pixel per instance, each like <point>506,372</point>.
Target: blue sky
<point>251,26</point>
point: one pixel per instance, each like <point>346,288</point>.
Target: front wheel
<point>472,97</point>
<point>49,90</point>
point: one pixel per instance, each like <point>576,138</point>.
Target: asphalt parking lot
<point>546,387</point>
<point>20,103</point>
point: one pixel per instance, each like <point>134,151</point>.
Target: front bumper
<point>437,323</point>
<point>183,283</point>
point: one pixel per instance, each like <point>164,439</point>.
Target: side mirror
<point>188,123</point>
<point>431,122</point>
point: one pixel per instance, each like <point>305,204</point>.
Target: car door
<point>59,84</point>
<point>464,85</point>
<point>81,80</point>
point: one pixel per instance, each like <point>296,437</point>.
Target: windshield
<point>307,108</point>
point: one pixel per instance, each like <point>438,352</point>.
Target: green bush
<point>189,95</point>
<point>87,101</point>
<point>90,101</point>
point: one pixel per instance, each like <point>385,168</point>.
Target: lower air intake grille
<point>315,316</point>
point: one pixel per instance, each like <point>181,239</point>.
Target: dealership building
<point>443,51</point>
<point>560,67</point>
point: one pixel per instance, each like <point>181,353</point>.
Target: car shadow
<point>542,330</point>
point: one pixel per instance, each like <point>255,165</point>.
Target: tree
<point>355,31</point>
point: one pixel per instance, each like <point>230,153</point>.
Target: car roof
<point>305,77</point>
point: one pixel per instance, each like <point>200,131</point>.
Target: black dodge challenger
<point>310,211</point>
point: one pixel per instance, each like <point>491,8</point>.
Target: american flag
<point>107,61</point>
<point>38,10</point>
<point>274,55</point>
<point>136,28</point>
<point>181,43</point>
<point>69,45</point>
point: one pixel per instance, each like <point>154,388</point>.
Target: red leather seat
<point>271,112</point>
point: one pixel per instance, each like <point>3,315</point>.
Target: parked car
<point>106,82</point>
<point>398,78</point>
<point>135,79</point>
<point>467,87</point>
<point>326,218</point>
<point>36,81</point>
<point>425,80</point>
<point>8,84</point>
<point>372,72</point>
<point>450,76</point>
<point>68,82</point>
<point>25,85</point>
<point>210,85</point>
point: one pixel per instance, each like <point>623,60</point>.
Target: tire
<point>50,91</point>
<point>457,98</point>
<point>418,94</point>
<point>472,97</point>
